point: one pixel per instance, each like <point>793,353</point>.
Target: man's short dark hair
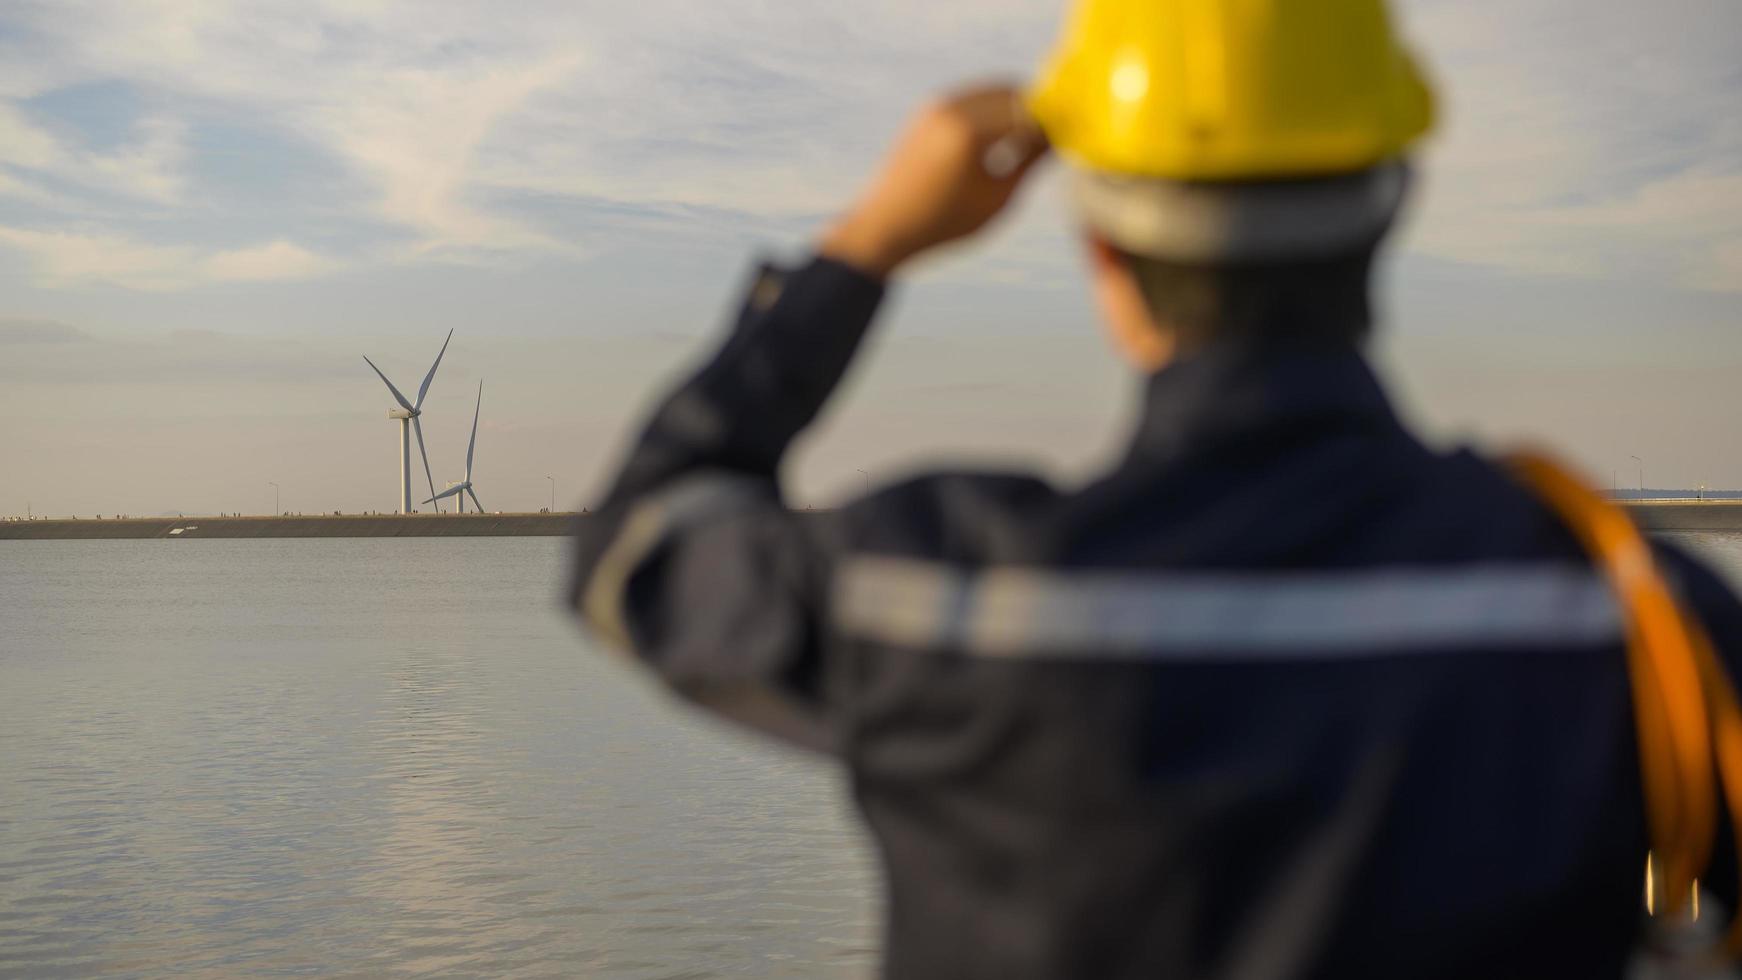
<point>1323,299</point>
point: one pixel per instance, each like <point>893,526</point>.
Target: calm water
<point>383,757</point>
<point>389,757</point>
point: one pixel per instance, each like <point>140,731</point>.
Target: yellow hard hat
<point>1230,89</point>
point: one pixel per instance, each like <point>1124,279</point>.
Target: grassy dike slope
<point>382,526</point>
<point>1689,515</point>
<point>1655,515</point>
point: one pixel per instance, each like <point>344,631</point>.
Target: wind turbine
<point>464,487</point>
<point>407,414</point>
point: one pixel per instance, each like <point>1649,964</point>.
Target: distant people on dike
<point>1284,693</point>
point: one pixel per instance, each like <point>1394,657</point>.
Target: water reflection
<point>378,758</point>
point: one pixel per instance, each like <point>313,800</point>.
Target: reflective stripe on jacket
<point>1284,694</point>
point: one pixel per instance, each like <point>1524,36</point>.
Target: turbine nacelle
<point>400,413</point>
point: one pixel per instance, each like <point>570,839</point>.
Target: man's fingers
<point>990,111</point>
<point>1001,116</point>
<point>1004,157</point>
<point>1011,154</point>
<point>1021,120</point>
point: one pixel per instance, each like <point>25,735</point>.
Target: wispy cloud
<point>1582,138</point>
<point>416,138</point>
<point>67,259</point>
<point>147,165</point>
<point>264,263</point>
<point>456,116</point>
<point>28,330</point>
<point>1587,139</point>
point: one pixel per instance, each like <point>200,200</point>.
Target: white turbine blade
<point>424,389</point>
<point>473,444</point>
<point>417,424</point>
<point>449,492</point>
<point>396,395</point>
<point>474,495</point>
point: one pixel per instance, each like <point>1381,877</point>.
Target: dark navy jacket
<point>1286,694</point>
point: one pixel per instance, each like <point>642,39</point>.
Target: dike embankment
<point>1681,515</point>
<point>1688,515</point>
<point>329,526</point>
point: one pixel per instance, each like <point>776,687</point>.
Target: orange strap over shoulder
<point>1685,707</point>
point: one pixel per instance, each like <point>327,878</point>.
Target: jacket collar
<point>1239,390</point>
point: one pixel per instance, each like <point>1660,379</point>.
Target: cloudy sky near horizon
<point>209,210</point>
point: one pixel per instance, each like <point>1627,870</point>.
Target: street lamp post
<point>552,480</point>
<point>274,487</point>
<point>1641,463</point>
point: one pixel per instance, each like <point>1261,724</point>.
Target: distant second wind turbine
<point>464,487</point>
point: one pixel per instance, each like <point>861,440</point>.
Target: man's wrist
<point>849,241</point>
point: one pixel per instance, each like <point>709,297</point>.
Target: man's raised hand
<point>953,170</point>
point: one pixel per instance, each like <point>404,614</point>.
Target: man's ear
<point>1145,343</point>
<point>1102,256</point>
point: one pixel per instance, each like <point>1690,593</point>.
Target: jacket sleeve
<point>692,562</point>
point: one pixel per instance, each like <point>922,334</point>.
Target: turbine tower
<point>464,487</point>
<point>407,413</point>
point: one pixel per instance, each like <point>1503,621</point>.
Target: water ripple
<point>380,759</point>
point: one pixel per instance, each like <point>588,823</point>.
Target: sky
<point>210,211</point>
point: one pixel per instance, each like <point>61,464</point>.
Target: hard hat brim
<point>1240,221</point>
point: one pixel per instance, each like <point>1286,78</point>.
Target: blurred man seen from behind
<point>1283,694</point>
